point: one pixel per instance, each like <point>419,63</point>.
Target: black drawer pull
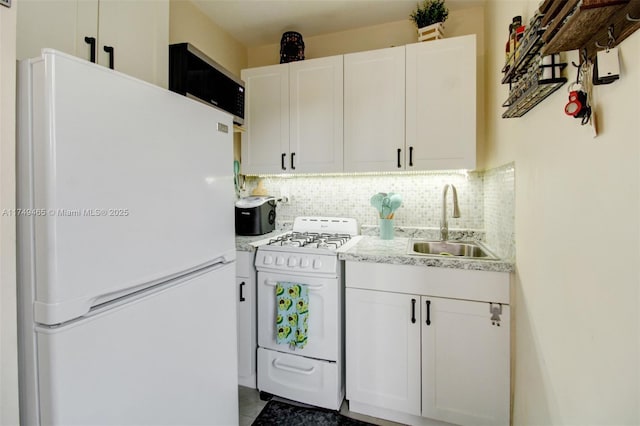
<point>242,299</point>
<point>109,50</point>
<point>428,312</point>
<point>413,311</point>
<point>410,156</point>
<point>293,154</point>
<point>282,161</point>
<point>399,151</point>
<point>91,41</point>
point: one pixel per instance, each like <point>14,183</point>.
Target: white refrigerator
<point>126,251</point>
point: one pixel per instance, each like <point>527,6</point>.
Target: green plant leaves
<point>430,12</point>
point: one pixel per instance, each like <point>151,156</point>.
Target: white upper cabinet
<point>58,24</point>
<point>138,32</point>
<point>265,142</point>
<point>441,104</point>
<point>316,104</point>
<point>374,102</point>
<point>411,107</point>
<point>402,108</point>
<point>294,117</point>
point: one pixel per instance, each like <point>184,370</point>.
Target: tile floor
<point>251,405</point>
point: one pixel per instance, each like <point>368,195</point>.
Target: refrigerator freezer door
<point>167,358</point>
<point>130,185</point>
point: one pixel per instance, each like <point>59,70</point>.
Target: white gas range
<point>313,374</point>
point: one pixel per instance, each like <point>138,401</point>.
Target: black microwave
<point>193,74</point>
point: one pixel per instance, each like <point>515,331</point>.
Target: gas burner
<point>311,240</point>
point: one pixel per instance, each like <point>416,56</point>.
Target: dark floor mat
<point>283,414</point>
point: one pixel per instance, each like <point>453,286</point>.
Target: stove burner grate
<point>311,239</point>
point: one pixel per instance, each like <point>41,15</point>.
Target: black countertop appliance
<point>255,215</point>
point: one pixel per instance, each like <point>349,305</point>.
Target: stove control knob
<point>304,263</point>
<point>317,264</point>
<point>293,262</point>
<point>279,261</point>
<point>268,260</point>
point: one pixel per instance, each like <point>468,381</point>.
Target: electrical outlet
<point>285,198</point>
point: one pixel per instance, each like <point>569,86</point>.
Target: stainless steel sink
<point>450,248</point>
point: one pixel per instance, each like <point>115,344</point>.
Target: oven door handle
<point>310,286</point>
<point>292,369</point>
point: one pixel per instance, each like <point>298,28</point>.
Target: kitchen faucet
<point>444,227</point>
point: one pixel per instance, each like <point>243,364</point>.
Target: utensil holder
<point>386,229</point>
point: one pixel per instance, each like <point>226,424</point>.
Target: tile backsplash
<point>485,199</point>
<point>500,210</point>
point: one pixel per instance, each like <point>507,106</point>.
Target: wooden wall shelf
<point>581,25</point>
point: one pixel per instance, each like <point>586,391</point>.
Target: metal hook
<point>611,42</point>
<point>630,19</point>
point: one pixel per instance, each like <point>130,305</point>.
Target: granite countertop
<point>246,243</point>
<point>373,249</point>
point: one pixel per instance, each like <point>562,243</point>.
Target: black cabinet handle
<point>410,156</point>
<point>109,50</point>
<point>91,41</point>
<point>428,312</point>
<point>413,311</point>
<point>399,151</point>
<point>293,154</point>
<point>282,161</point>
<point>242,299</point>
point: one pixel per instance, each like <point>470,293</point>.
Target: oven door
<point>325,301</point>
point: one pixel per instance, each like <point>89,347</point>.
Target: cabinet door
<point>139,33</point>
<point>265,143</point>
<point>374,103</point>
<point>56,24</point>
<point>246,315</point>
<point>383,349</point>
<point>316,104</point>
<point>441,104</point>
<point>465,362</point>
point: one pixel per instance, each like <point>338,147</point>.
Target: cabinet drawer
<point>307,380</point>
<point>486,286</point>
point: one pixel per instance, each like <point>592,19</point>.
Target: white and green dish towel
<point>293,314</point>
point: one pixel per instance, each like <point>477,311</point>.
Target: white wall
<point>188,24</point>
<point>577,242</point>
<point>8,343</point>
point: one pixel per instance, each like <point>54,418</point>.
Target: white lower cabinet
<point>383,350</point>
<point>246,314</point>
<point>419,352</point>
<point>465,362</point>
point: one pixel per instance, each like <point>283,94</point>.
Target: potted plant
<point>429,18</point>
